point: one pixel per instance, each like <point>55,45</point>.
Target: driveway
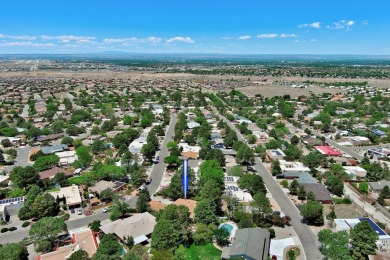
<point>22,159</point>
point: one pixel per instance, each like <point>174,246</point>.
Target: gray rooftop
<point>379,185</point>
<point>249,243</point>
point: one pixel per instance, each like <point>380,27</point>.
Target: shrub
<point>12,228</point>
<point>26,224</point>
<point>66,217</point>
<point>347,201</point>
<point>272,232</point>
<point>284,183</point>
<point>3,230</point>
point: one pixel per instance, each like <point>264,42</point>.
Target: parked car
<point>157,158</point>
<point>72,210</point>
<point>105,209</point>
<point>142,187</point>
<point>80,211</point>
<point>148,180</point>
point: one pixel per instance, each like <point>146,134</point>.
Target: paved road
<point>159,168</point>
<point>18,235</point>
<point>22,158</point>
<point>307,237</point>
<point>369,147</point>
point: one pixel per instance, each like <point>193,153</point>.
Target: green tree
<point>203,233</point>
<point>97,146</point>
<point>79,255</point>
<point>301,193</point>
<point>84,158</point>
<point>335,185</point>
<point>261,208</point>
<point>276,167</point>
<point>45,231</point>
<point>334,244</point>
<point>313,159</point>
<point>119,209</point>
<point>95,225</point>
<point>363,240</point>
<point>221,236</point>
<point>67,140</point>
<point>24,177</point>
<point>13,251</point>
<point>180,253</point>
<point>294,185</point>
<point>210,170</point>
<point>46,162</point>
<point>143,201</point>
<point>245,155</point>
<point>205,212</point>
<point>45,205</point>
<point>106,195</point>
<point>108,247</point>
<point>363,187</point>
<point>294,140</point>
<point>148,150</point>
<point>311,196</point>
<point>312,211</point>
<point>253,183</point>
<point>172,161</point>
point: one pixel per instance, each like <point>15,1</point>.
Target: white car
<point>105,209</point>
<point>142,187</point>
<point>80,211</point>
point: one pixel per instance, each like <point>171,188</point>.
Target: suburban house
<point>379,153</point>
<point>54,148</point>
<point>189,151</point>
<point>70,195</point>
<point>102,185</point>
<point>50,137</point>
<point>136,146</point>
<point>383,242</point>
<point>67,157</point>
<point>320,191</point>
<point>275,154</point>
<point>328,150</point>
<point>49,174</point>
<point>355,171</point>
<point>139,226</point>
<point>192,124</point>
<point>81,240</point>
<point>248,243</point>
<point>6,203</point>
<point>377,186</point>
<point>293,166</point>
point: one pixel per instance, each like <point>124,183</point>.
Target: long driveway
<point>307,237</point>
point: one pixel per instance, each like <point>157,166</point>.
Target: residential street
<point>159,168</point>
<point>307,237</point>
<point>22,159</point>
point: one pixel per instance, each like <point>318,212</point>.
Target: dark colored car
<point>72,211</point>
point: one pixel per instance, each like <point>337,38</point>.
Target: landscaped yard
<point>208,252</point>
<point>77,179</point>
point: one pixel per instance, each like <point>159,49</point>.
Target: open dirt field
<point>345,211</point>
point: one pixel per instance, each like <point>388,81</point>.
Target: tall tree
<point>45,231</point>
<point>312,211</point>
<point>363,240</point>
<point>13,251</point>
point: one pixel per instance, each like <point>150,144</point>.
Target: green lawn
<point>207,252</point>
<point>77,179</point>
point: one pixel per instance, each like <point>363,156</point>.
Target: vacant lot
<point>346,211</point>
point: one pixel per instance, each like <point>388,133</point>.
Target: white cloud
<point>365,22</point>
<point>67,38</point>
<point>153,40</point>
<point>180,39</point>
<point>245,37</point>
<point>33,44</point>
<point>316,25</point>
<point>283,35</point>
<point>267,36</point>
<point>226,38</point>
<point>17,37</point>
<point>132,40</point>
<point>342,25</point>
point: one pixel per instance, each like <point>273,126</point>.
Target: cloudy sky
<point>188,26</point>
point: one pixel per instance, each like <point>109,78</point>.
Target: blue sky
<point>188,26</point>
